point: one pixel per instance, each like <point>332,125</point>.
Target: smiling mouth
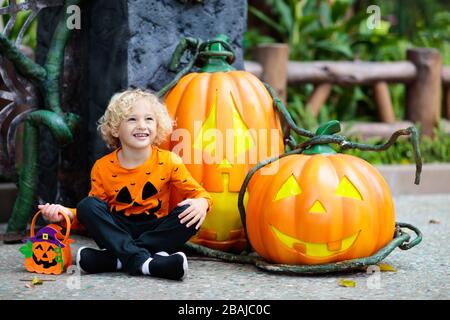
<point>141,135</point>
<point>313,249</point>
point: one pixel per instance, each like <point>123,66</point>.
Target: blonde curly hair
<point>119,108</point>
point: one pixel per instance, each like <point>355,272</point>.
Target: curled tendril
<point>342,141</point>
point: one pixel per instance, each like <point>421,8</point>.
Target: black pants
<point>133,242</point>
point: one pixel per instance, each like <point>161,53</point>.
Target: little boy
<point>127,210</point>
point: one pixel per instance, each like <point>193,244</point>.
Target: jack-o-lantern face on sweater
<point>134,203</point>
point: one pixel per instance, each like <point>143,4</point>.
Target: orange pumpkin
<point>216,108</point>
<point>49,251</point>
<point>319,208</point>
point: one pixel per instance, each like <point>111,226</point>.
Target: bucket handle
<point>68,225</point>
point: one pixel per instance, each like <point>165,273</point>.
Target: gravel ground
<point>422,272</point>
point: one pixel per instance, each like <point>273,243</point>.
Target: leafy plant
<point>317,30</point>
<point>436,35</point>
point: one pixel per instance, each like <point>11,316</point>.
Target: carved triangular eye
<point>149,190</point>
<point>347,189</point>
<point>206,140</point>
<point>289,188</point>
<point>243,140</point>
<point>124,196</point>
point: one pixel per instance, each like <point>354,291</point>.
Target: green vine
<point>61,125</point>
<point>211,56</point>
<point>201,53</point>
<point>401,239</point>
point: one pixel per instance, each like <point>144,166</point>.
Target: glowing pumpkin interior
<point>232,124</point>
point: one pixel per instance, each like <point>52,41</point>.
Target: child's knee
<point>179,209</point>
<point>192,230</point>
<point>88,205</point>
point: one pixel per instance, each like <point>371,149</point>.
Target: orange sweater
<point>144,189</point>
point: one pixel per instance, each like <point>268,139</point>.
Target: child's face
<point>138,129</point>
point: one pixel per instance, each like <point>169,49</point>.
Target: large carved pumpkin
<point>216,108</point>
<point>319,208</point>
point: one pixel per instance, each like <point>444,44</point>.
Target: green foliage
<point>436,35</point>
<point>303,115</point>
<point>435,149</point>
<point>253,37</point>
<point>317,30</point>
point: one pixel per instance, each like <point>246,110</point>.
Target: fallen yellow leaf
<point>347,283</point>
<point>386,267</point>
<point>36,281</point>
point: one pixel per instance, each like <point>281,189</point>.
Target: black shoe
<point>172,267</point>
<point>92,260</point>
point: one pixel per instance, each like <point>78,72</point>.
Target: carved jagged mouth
<point>313,249</point>
<point>46,264</point>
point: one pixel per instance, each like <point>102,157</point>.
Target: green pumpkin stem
<point>216,55</point>
<point>329,128</point>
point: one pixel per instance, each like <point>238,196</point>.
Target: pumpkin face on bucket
<point>44,254</point>
<point>319,209</point>
<point>48,251</point>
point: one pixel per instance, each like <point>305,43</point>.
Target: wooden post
<point>273,59</point>
<point>319,97</point>
<point>423,96</point>
<point>383,101</point>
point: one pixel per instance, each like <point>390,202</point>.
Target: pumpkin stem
<point>217,55</point>
<point>329,128</point>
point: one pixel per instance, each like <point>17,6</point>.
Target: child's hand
<point>195,212</point>
<point>51,212</point>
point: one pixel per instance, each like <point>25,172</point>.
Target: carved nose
<point>317,207</point>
